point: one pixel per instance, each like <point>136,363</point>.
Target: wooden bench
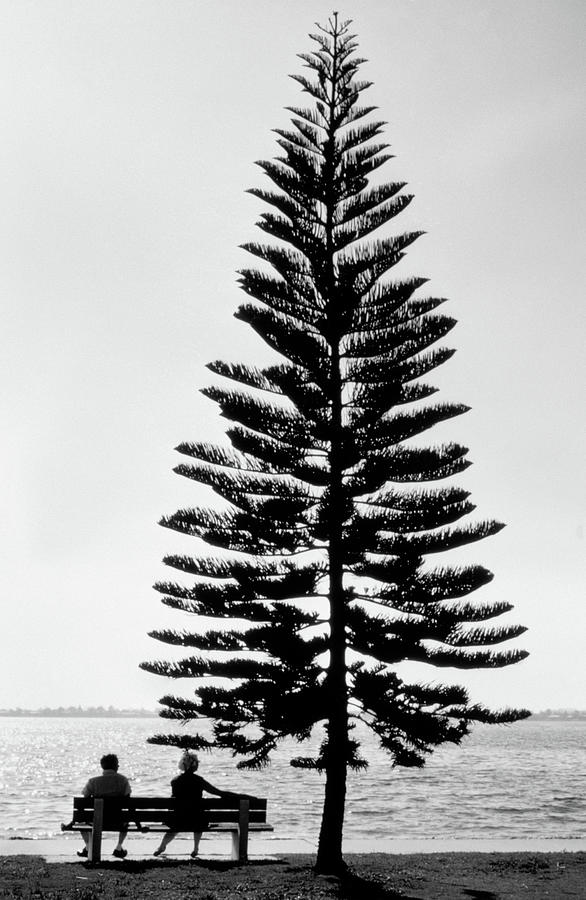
<point>234,814</point>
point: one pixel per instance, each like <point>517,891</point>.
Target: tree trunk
<point>329,853</point>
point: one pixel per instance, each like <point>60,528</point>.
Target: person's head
<point>109,761</point>
<point>189,762</point>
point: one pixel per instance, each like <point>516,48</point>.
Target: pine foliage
<point>328,511</point>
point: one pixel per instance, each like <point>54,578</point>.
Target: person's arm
<point>219,793</point>
<point>88,789</point>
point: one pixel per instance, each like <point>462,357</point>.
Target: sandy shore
<point>374,876</point>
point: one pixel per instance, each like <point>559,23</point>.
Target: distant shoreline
<point>101,712</point>
<point>92,712</point>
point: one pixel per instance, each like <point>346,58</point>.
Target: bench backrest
<point>155,809</point>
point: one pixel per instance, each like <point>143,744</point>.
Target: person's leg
<point>86,839</point>
<point>165,841</point>
<point>196,840</point>
<point>121,838</point>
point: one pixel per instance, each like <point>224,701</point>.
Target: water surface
<point>526,780</point>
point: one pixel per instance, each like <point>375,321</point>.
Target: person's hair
<point>189,761</point>
<point>109,761</point>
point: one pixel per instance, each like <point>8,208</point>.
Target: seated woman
<point>189,815</point>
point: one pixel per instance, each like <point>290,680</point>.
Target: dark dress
<point>189,813</point>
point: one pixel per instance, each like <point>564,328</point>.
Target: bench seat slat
<point>166,803</point>
<point>218,826</point>
<point>148,815</point>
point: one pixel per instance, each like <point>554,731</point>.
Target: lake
<point>524,780</point>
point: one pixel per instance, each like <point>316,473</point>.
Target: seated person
<point>189,813</point>
<point>110,784</point>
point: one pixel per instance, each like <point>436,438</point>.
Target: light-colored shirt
<point>108,784</point>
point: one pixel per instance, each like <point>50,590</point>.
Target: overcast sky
<point>130,130</point>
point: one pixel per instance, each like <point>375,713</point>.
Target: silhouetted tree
<point>331,509</point>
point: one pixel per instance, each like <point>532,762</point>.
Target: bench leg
<point>95,846</point>
<point>235,845</point>
<point>243,831</point>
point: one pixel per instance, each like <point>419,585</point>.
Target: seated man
<point>109,784</point>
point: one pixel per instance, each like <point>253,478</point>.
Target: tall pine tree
<point>330,509</point>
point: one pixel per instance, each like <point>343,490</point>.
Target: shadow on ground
<point>354,887</point>
<point>349,887</point>
<point>147,865</point>
<point>479,895</point>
